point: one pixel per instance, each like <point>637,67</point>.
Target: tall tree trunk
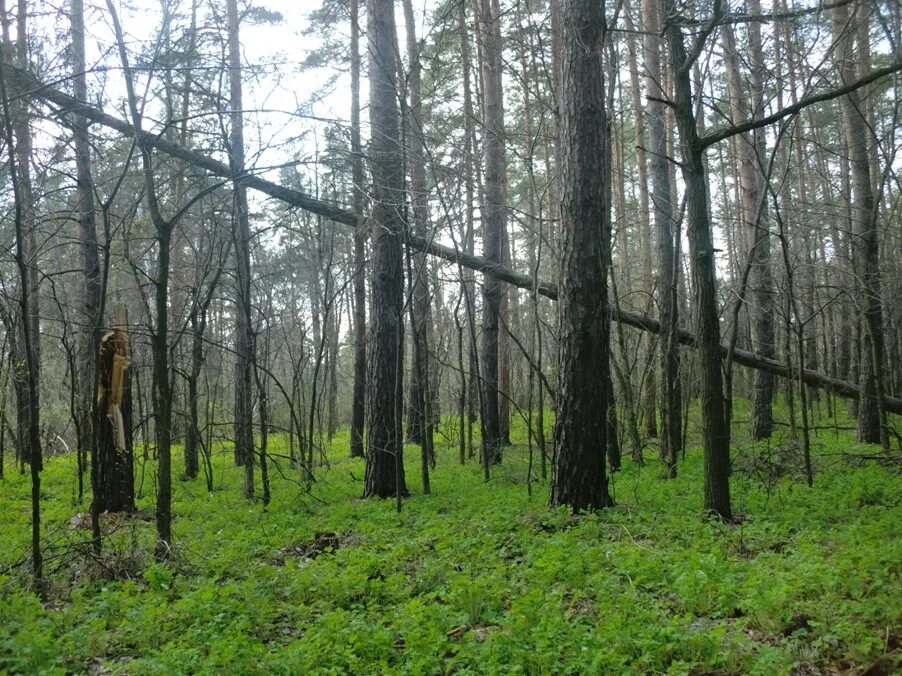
<point>162,393</point>
<point>645,237</point>
<point>420,393</point>
<point>715,436</point>
<point>87,232</point>
<point>865,251</point>
<point>358,403</point>
<point>580,434</point>
<point>493,218</point>
<point>17,52</point>
<point>16,134</point>
<point>667,234</point>
<point>469,279</point>
<point>244,339</point>
<point>159,340</point>
<point>751,151</point>
<point>182,266</point>
<point>384,459</point>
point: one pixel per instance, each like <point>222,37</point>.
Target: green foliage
<point>476,577</point>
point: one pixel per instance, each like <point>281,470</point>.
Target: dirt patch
<point>322,543</point>
<point>480,632</point>
<point>110,521</point>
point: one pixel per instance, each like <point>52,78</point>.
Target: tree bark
<point>358,404</point>
<point>751,149</point>
<point>493,218</point>
<point>701,251</point>
<point>27,298</point>
<point>667,233</point>
<point>384,460</point>
<point>469,279</point>
<point>244,338</point>
<point>865,243</point>
<point>87,232</point>
<point>581,428</point>
<point>420,393</point>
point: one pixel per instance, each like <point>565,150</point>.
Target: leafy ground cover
<point>476,577</point>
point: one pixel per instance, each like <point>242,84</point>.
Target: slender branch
<point>716,15</point>
<point>721,134</point>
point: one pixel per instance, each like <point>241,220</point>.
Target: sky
<point>279,48</point>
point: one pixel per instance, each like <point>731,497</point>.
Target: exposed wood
<point>115,481</point>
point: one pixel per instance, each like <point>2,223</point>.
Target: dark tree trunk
<point>384,459</point>
<point>22,127</point>
<point>27,293</point>
<point>244,339</point>
<point>580,435</point>
<point>667,233</point>
<point>87,232</point>
<point>865,252</point>
<point>161,392</point>
<point>192,434</point>
<point>358,404</point>
<point>420,393</point>
<point>27,340</point>
<point>493,217</point>
<point>159,339</point>
<point>469,280</point>
<point>750,150</point>
<point>715,435</point>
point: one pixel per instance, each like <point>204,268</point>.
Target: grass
<point>474,578</point>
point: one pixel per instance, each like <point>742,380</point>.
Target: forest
<point>451,336</point>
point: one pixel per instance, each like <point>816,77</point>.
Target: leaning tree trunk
<point>24,84</point>
<point>384,460</point>
<point>580,434</point>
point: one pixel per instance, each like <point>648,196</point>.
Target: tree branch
<point>721,134</point>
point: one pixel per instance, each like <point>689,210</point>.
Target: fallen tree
<point>24,84</point>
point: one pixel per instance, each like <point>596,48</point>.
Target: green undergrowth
<point>475,578</point>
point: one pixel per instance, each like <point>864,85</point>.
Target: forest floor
<point>475,578</point>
